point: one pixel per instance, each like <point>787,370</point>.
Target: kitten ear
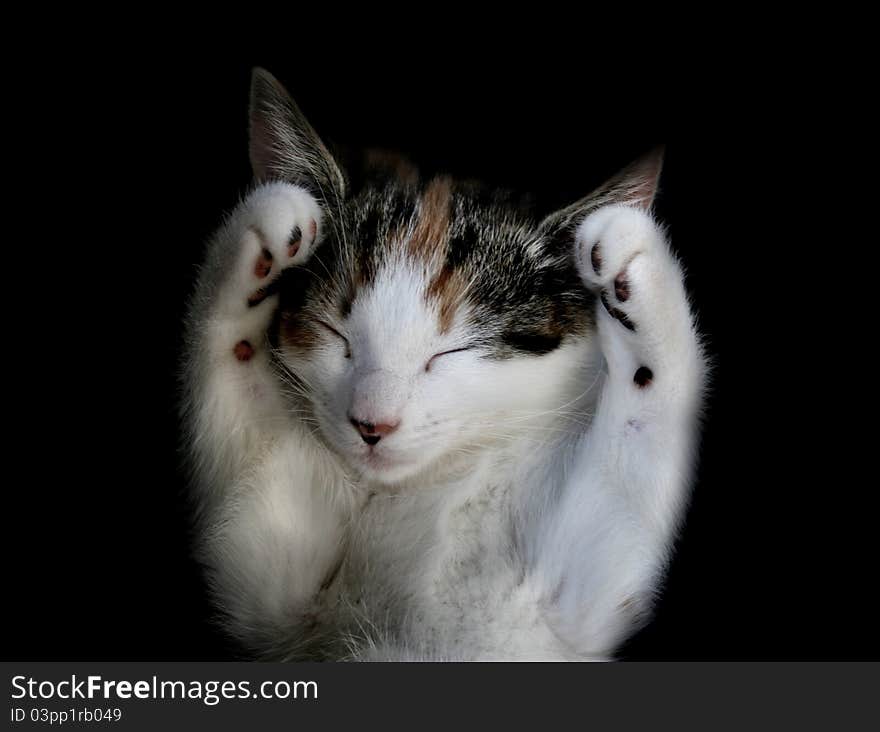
<point>284,146</point>
<point>635,185</point>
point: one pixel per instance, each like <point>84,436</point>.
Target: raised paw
<point>645,327</point>
<point>281,230</point>
<point>609,244</point>
<point>278,226</point>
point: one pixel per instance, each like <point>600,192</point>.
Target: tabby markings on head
<point>430,242</point>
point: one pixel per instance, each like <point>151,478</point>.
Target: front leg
<point>647,417</point>
<point>270,497</point>
<point>232,403</point>
<point>630,478</point>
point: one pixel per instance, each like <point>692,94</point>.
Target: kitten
<point>421,424</point>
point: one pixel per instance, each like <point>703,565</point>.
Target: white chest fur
<point>442,572</point>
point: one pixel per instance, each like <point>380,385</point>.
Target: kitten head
<point>435,317</point>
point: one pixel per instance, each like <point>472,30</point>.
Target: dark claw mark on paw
<point>617,314</point>
<point>264,264</point>
<point>244,351</point>
<point>621,287</point>
<point>643,376</point>
<point>624,321</point>
<point>596,258</point>
<point>257,297</point>
<point>294,241</point>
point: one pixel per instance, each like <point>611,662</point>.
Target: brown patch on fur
<point>431,233</point>
<point>447,288</point>
<point>428,242</point>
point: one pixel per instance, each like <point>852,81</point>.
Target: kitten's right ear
<point>635,185</point>
<point>284,146</point>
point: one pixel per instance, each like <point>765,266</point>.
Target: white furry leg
<point>656,369</point>
<point>275,549</point>
<point>274,504</point>
<point>609,541</point>
<point>233,405</point>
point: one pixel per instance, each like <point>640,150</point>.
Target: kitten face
<point>428,321</point>
<point>433,318</point>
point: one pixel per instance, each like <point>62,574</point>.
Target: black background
<point>768,565</point>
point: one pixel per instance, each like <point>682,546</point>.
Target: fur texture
<point>422,425</point>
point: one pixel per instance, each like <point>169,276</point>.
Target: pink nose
<point>371,433</point>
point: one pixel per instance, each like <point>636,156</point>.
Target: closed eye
<point>338,335</point>
<point>444,353</point>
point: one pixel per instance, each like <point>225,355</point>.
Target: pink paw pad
<point>244,351</point>
<point>643,377</point>
<point>264,264</point>
<point>621,287</point>
<point>295,240</point>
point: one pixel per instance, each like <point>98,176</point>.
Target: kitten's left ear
<point>284,146</point>
<point>635,185</point>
